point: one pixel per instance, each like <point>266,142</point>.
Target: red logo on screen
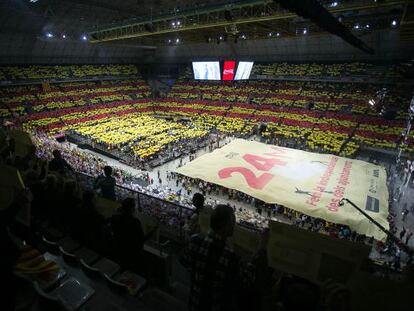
<point>228,70</point>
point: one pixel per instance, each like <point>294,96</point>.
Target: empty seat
<point>135,282</point>
<point>106,266</point>
<point>51,246</point>
<point>87,255</point>
<point>89,270</point>
<point>53,234</point>
<point>68,245</point>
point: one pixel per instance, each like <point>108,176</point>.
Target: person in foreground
<point>218,277</point>
<point>128,236</point>
<point>106,183</point>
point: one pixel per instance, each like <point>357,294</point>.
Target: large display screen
<point>228,70</point>
<point>243,70</point>
<point>206,70</point>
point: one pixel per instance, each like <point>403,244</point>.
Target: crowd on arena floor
<point>169,214</point>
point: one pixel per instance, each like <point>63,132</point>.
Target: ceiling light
<point>334,4</point>
<point>178,23</point>
<point>64,36</point>
<point>49,35</point>
<point>394,23</point>
<point>221,37</point>
<point>177,40</point>
<point>367,26</point>
<point>173,24</point>
<point>84,38</point>
<point>356,26</point>
<point>277,34</point>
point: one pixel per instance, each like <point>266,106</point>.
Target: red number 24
<point>252,180</point>
<point>260,163</point>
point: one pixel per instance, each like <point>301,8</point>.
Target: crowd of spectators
<point>64,72</point>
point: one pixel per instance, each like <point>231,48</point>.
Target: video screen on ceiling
<point>206,70</point>
<point>228,70</point>
<point>243,70</point>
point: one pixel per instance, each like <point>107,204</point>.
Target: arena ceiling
<point>129,29</point>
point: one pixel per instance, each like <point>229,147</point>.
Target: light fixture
<point>372,102</point>
<point>269,34</point>
<point>221,37</point>
<point>277,34</point>
<point>173,24</point>
<point>177,40</point>
<point>33,1</point>
<point>356,26</point>
<point>334,4</point>
<point>169,41</point>
<point>49,35</point>
<point>84,37</point>
<point>305,31</point>
<point>394,23</point>
<point>367,26</point>
<point>63,36</point>
<point>178,23</point>
<point>243,37</point>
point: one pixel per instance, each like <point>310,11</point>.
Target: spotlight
<point>49,35</point>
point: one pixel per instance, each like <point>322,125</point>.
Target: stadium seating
<point>37,73</point>
<point>328,117</point>
<point>23,100</point>
<point>332,70</point>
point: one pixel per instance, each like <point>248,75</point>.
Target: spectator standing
<point>217,275</point>
<point>193,224</point>
<point>408,237</point>
<point>106,183</point>
<point>128,236</point>
<point>58,164</point>
<point>402,233</point>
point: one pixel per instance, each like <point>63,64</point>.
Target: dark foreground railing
<point>171,216</point>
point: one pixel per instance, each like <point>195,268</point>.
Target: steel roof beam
<point>138,30</point>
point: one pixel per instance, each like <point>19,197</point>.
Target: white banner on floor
<point>307,182</point>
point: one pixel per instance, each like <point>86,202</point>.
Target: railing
<point>172,216</point>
